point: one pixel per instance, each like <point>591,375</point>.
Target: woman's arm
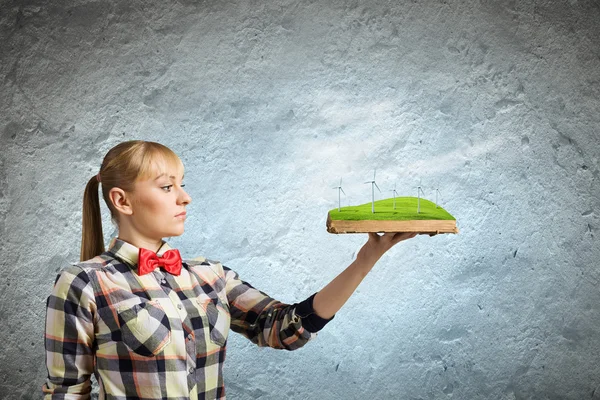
<point>332,297</point>
<point>266,321</point>
<point>69,336</point>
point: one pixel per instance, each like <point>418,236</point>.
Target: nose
<point>184,197</point>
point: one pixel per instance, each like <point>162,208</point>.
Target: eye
<point>168,187</point>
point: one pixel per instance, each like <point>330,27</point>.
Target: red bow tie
<point>148,260</point>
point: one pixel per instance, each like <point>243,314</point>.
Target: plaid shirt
<point>157,336</point>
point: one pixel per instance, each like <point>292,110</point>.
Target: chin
<point>178,232</point>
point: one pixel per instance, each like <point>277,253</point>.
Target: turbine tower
<point>339,188</point>
<point>419,191</point>
<point>373,184</point>
<point>437,191</point>
<point>394,193</point>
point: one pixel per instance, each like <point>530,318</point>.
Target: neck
<point>141,241</point>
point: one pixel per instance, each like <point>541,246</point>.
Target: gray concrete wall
<point>268,104</point>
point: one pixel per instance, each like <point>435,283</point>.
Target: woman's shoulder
<point>78,274</point>
<point>87,267</point>
<point>201,260</point>
<point>94,263</point>
<point>203,265</point>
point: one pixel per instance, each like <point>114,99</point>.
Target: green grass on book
<point>406,210</point>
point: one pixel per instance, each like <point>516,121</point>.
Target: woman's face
<point>157,204</point>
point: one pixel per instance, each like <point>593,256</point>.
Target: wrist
<point>364,264</point>
<point>368,257</point>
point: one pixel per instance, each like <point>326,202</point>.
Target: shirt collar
<point>129,253</point>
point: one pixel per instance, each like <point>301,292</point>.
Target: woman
<point>150,325</point>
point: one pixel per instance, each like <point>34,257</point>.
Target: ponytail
<point>92,238</point>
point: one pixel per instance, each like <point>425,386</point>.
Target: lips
<point>180,214</point>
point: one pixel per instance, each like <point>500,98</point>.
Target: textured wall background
<point>269,104</point>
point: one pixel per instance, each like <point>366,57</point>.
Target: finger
<point>391,236</point>
<point>403,236</point>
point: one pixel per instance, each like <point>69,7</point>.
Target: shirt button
<point>198,301</point>
<point>164,282</point>
<point>191,370</point>
<point>190,337</point>
<point>179,306</point>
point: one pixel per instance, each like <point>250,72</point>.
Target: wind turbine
<point>339,188</point>
<point>394,193</point>
<point>419,191</point>
<point>373,184</point>
<point>437,191</point>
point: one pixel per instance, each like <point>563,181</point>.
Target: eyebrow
<point>172,177</point>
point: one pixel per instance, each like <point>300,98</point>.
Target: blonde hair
<point>122,166</point>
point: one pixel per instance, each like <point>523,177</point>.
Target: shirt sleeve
<point>69,336</point>
<point>266,321</point>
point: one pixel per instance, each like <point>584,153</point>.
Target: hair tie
<point>98,177</point>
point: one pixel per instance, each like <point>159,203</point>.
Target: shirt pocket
<point>217,313</point>
<point>144,327</point>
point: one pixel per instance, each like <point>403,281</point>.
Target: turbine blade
<point>343,191</point>
<point>377,186</point>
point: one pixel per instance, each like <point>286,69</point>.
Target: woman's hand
<point>377,245</point>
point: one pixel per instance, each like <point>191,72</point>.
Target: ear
<point>121,201</point>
